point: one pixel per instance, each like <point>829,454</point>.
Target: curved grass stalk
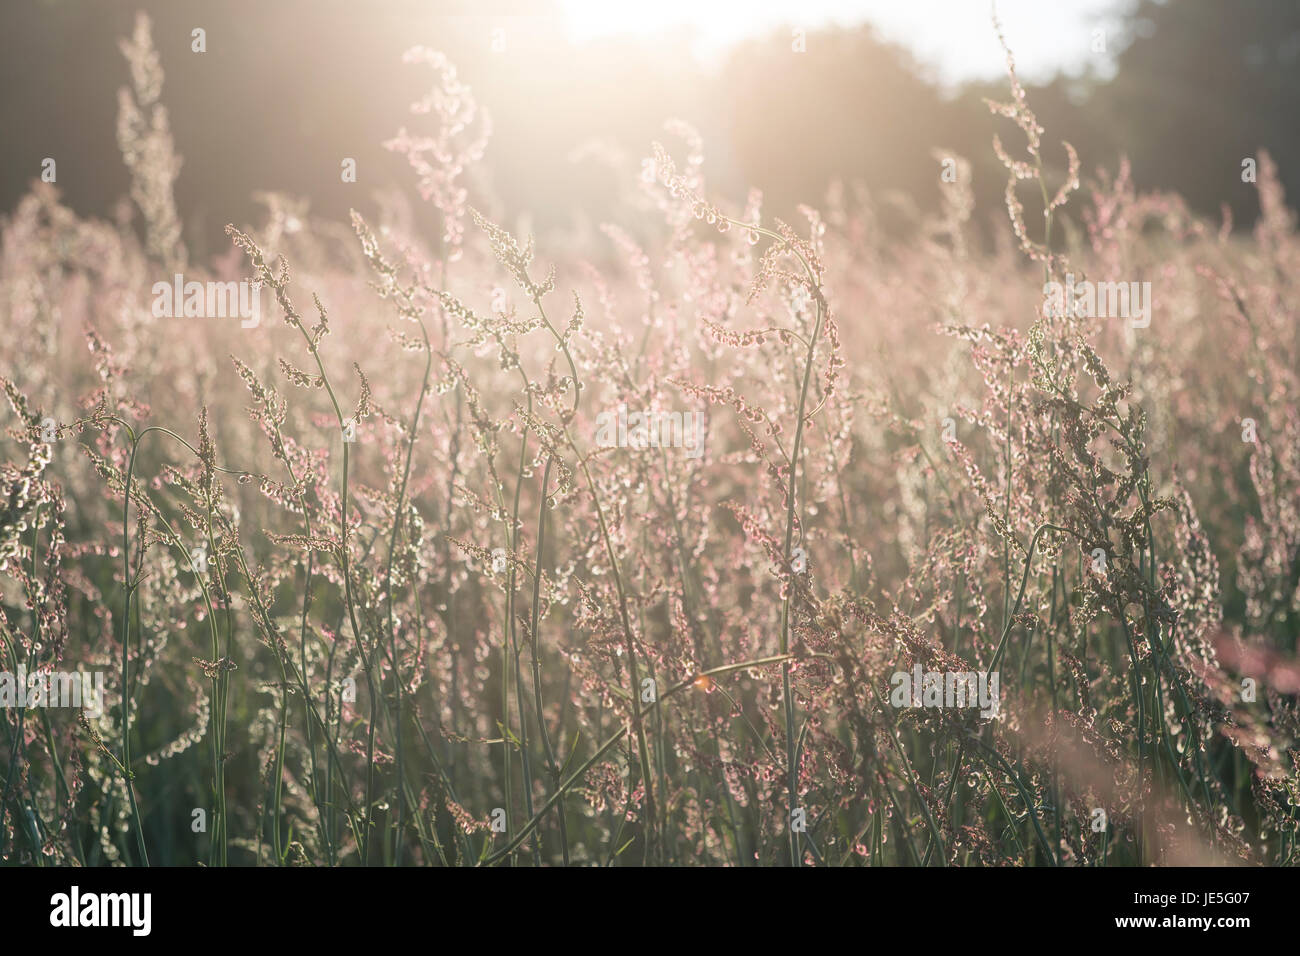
<point>309,708</point>
<point>643,750</point>
<point>613,740</point>
<point>796,449</point>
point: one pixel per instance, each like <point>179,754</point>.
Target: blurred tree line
<point>288,88</point>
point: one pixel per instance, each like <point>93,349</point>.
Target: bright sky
<point>952,37</point>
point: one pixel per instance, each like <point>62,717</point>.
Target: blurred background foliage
<point>287,88</point>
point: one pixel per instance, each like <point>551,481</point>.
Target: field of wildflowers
<point>713,539</point>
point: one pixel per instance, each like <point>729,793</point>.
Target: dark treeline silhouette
<point>288,88</point>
